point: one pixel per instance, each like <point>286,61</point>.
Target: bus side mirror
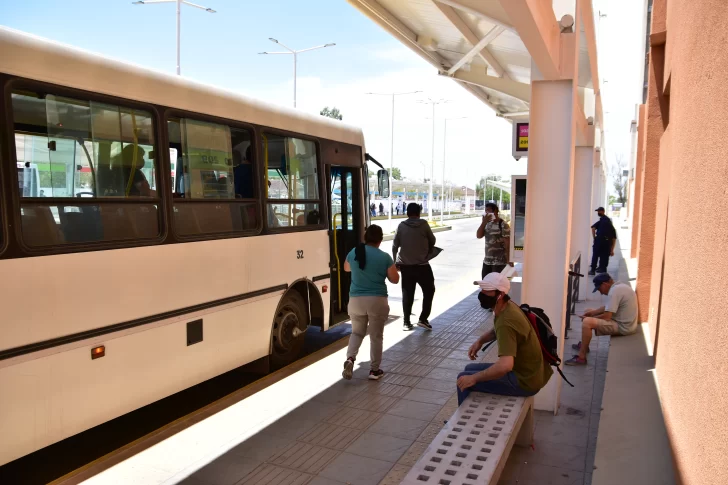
<point>383,183</point>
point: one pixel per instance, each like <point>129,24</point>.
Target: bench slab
<point>474,445</point>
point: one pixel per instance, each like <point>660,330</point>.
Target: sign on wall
<point>520,140</point>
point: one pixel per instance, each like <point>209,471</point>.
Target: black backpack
<point>546,337</point>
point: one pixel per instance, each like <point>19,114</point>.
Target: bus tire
<point>289,330</point>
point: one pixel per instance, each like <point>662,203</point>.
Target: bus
<point>156,232</point>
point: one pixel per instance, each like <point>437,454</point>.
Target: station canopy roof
<point>476,43</point>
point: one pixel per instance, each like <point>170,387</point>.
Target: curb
<point>389,237</point>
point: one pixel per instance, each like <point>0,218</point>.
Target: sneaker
<point>375,375</point>
<point>592,273</point>
<point>578,347</point>
<point>348,369</point>
<point>407,326</point>
<point>424,324</point>
<point>575,360</point>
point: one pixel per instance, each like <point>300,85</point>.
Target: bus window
<point>75,159</point>
<point>292,182</point>
<point>213,177</point>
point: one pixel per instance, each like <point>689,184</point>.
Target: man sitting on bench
<point>520,369</point>
<point>618,317</point>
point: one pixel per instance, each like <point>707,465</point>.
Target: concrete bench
<point>474,445</point>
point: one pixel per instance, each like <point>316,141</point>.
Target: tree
<point>492,192</point>
<point>619,181</point>
<point>332,113</point>
<point>396,173</point>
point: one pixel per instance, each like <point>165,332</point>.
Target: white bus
<point>136,275</point>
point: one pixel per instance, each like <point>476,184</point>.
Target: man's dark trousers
<point>491,268</point>
<point>600,251</point>
<point>413,275</point>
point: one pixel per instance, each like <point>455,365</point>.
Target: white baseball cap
<point>494,281</point>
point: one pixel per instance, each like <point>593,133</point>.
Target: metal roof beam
<point>539,31</point>
<point>512,88</point>
<point>477,48</point>
<point>464,8</point>
<point>463,28</point>
<point>382,17</point>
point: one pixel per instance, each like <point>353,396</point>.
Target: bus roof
<point>44,60</point>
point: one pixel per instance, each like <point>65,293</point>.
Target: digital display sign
<point>520,140</point>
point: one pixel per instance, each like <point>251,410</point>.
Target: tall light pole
<point>295,59</point>
<point>391,153</point>
<point>432,170</point>
<point>444,157</point>
<point>179,12</point>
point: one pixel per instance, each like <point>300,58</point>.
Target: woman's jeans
<point>505,386</point>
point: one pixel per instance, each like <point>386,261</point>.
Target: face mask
<point>487,302</point>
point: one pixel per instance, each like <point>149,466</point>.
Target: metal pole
<point>432,169</point>
<point>442,189</point>
<point>451,197</point>
<point>391,169</point>
<point>295,56</point>
<point>179,14</point>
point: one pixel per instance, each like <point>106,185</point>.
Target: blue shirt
<point>369,281</point>
<point>605,229</point>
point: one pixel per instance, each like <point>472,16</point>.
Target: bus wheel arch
<point>298,308</point>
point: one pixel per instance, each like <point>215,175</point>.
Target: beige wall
<point>685,199</point>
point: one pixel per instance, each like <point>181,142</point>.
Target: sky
<point>222,49</point>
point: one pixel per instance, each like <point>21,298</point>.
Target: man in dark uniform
<point>605,238</point>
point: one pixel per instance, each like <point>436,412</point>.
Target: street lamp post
<point>391,153</point>
<point>179,14</point>
<point>444,156</point>
<point>295,58</point>
<point>432,170</point>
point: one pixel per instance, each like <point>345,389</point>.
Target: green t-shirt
<point>517,338</point>
<point>369,281</point>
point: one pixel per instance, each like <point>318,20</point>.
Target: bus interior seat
<point>145,220</point>
<point>82,226</point>
<point>39,227</point>
<point>117,224</point>
<point>185,219</point>
<point>249,215</point>
<point>214,217</point>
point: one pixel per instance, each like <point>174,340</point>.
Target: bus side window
<point>292,190</point>
<point>74,157</point>
<point>215,193</point>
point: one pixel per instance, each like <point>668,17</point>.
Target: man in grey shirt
<point>414,241</point>
<point>618,317</point>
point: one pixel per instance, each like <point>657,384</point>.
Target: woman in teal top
<point>368,306</point>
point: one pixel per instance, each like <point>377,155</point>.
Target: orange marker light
<point>324,289</point>
<point>97,352</point>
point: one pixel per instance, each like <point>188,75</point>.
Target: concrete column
<point>596,197</point>
<point>582,212</point>
<point>639,173</point>
<point>547,246</point>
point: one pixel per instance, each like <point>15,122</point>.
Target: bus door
<point>343,236</point>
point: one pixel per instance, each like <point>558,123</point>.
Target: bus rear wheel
<point>289,330</point>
